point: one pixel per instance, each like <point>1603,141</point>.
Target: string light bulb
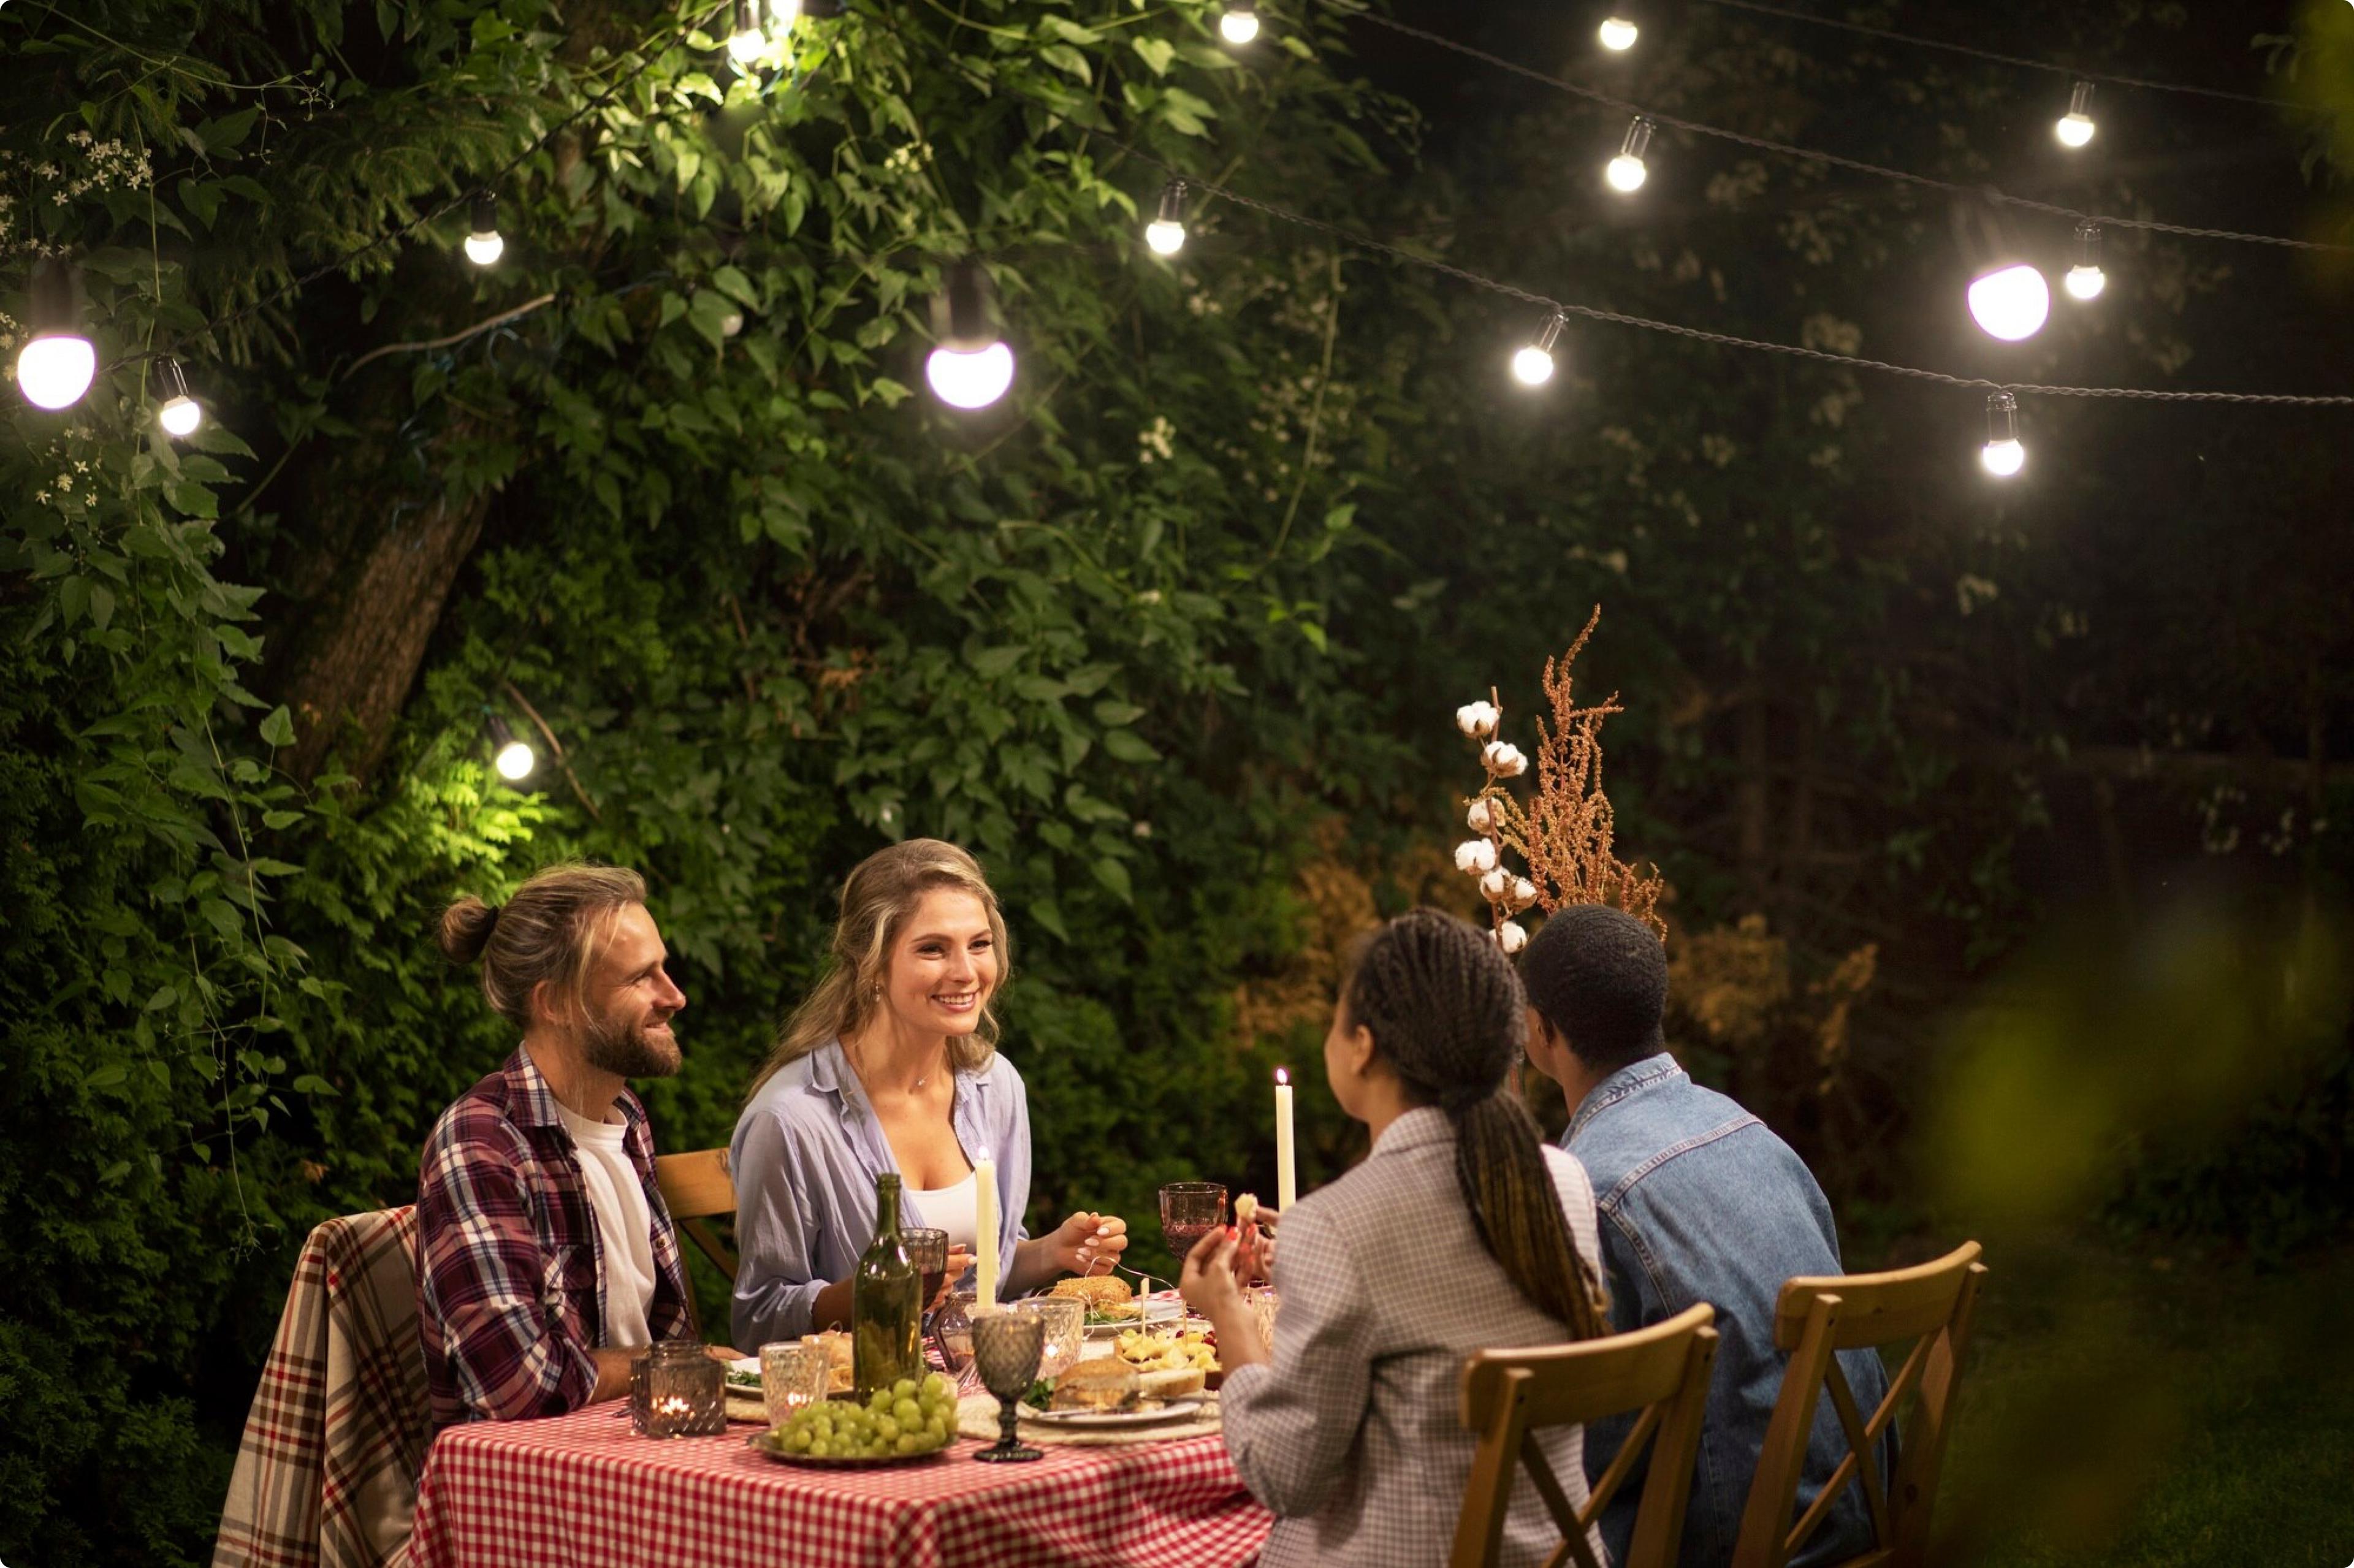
<point>1532,364</point>
<point>2085,280</point>
<point>483,243</point>
<point>1166,233</point>
<point>1625,171</point>
<point>1240,23</point>
<point>746,41</point>
<point>58,362</point>
<point>2010,301</point>
<point>783,14</point>
<point>2002,456</point>
<point>180,414</point>
<point>515,759</point>
<point>972,366</point>
<point>2075,127</point>
<point>1617,33</point>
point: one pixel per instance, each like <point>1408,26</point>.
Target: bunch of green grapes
<point>908,1417</point>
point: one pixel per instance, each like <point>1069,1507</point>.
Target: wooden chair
<point>1661,1371</point>
<point>1932,1305</point>
<point>696,1186</point>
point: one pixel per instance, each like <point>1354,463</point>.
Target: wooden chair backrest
<point>696,1187</point>
<point>1508,1395</point>
<point>1931,1305</point>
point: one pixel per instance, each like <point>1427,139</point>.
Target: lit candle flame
<point>1281,1076</point>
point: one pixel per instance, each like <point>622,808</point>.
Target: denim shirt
<point>804,1158</point>
<point>1701,1201</point>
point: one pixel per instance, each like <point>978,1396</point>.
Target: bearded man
<point>546,1258</point>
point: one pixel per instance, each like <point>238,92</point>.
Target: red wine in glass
<point>1182,1237</point>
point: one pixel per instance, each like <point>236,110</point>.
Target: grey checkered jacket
<point>1353,1435</point>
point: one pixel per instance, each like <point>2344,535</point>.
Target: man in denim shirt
<point>1699,1202</point>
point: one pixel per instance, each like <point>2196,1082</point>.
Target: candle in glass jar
<point>984,1230</point>
<point>1286,1173</point>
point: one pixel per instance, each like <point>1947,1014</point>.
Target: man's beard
<point>627,1050</point>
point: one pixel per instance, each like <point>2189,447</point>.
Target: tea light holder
<point>681,1393</point>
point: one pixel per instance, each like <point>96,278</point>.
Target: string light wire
<point>1834,160</point>
<point>1998,59</point>
<point>1722,340</point>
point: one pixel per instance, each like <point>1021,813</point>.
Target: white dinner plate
<point>1156,1315</point>
<point>1180,1408</point>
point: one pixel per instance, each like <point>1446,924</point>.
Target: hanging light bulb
<point>2085,280</point>
<point>782,14</point>
<point>1626,172</point>
<point>484,245</point>
<point>1617,33</point>
<point>1532,364</point>
<point>972,367</point>
<point>515,759</point>
<point>2002,455</point>
<point>58,362</point>
<point>1166,233</point>
<point>2011,303</point>
<point>1240,23</point>
<point>2075,127</point>
<point>746,41</point>
<point>180,415</point>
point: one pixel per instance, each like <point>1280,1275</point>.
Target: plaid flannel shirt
<point>511,1273</point>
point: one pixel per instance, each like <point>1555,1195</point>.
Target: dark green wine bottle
<point>886,1302</point>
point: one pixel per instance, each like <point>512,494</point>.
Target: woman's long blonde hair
<point>877,897</point>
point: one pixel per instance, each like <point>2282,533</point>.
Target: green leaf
<point>1113,874</point>
<point>312,1084</point>
<point>1129,746</point>
<point>278,729</point>
<point>1156,53</point>
<point>105,1078</point>
<point>1113,713</point>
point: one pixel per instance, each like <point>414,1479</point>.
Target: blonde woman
<point>890,1065</point>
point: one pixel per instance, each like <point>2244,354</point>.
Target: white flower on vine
<point>1475,856</point>
<point>1476,720</point>
<point>1497,885</point>
<point>1504,759</point>
<point>1524,893</point>
<point>1480,816</point>
<point>1511,936</point>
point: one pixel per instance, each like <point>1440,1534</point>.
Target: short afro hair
<point>1599,977</point>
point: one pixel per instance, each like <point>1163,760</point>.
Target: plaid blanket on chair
<point>326,1475</point>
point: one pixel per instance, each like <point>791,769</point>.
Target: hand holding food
<point>1089,1242</point>
<point>1208,1283</point>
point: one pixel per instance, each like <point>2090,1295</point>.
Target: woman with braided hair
<point>1460,1230</point>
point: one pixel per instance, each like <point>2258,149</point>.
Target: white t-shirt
<point>952,1209</point>
<point>625,1227</point>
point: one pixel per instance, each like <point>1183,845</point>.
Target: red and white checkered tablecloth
<point>584,1491</point>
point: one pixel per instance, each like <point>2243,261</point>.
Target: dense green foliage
<point>1169,640</point>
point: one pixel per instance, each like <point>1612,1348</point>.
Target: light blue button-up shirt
<point>804,1159</point>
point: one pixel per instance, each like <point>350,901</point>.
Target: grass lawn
<point>2154,1408</point>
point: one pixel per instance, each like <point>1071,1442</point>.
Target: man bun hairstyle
<point>553,928</point>
<point>1599,976</point>
<point>1447,1013</point>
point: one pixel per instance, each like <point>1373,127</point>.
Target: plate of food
<point>1113,1308</point>
<point>916,1419</point>
<point>1104,1392</point>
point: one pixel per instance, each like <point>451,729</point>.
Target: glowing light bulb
<point>514,761</point>
<point>972,366</point>
<point>2011,303</point>
<point>783,14</point>
<point>746,42</point>
<point>1240,23</point>
<point>1532,364</point>
<point>54,369</point>
<point>2075,127</point>
<point>1618,34</point>
<point>970,380</point>
<point>484,245</point>
<point>2085,280</point>
<point>180,414</point>
<point>1166,233</point>
<point>2002,456</point>
<point>1625,171</point>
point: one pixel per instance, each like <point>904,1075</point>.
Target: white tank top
<point>950,1209</point>
<point>625,1226</point>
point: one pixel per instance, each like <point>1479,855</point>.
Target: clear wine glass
<point>1066,1318</point>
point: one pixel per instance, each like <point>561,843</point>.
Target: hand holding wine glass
<point>1213,1289</point>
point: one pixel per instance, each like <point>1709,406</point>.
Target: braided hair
<point>1447,1012</point>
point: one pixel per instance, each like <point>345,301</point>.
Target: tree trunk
<point>1749,799</point>
<point>349,663</point>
